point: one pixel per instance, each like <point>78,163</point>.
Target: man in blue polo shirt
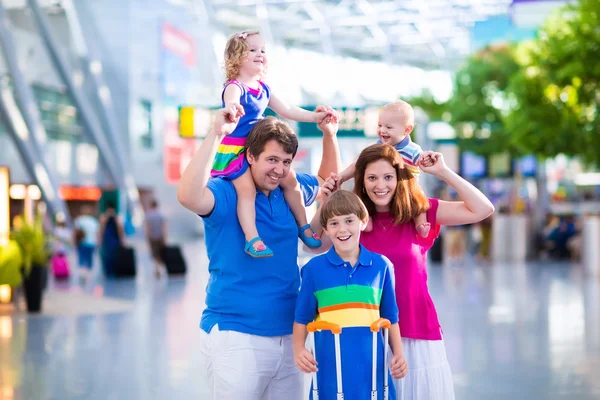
<point>249,315</point>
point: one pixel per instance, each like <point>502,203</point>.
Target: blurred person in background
<point>247,96</point>
<point>456,243</point>
<point>86,239</point>
<point>541,246</point>
<point>574,243</point>
<point>455,237</point>
<point>111,237</point>
<point>62,237</point>
<point>61,245</point>
<point>559,236</point>
<point>485,229</point>
<point>246,327</point>
<point>156,234</point>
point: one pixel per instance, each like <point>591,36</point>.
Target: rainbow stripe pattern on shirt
<point>410,153</point>
<point>411,167</point>
<point>230,156</point>
<point>348,306</point>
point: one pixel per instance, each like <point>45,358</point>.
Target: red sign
<point>179,43</point>
<point>179,57</point>
<point>91,193</point>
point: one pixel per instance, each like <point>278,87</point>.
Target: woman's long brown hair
<point>408,200</point>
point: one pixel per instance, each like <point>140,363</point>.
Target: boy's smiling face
<point>344,231</point>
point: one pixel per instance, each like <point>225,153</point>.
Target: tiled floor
<point>512,332</point>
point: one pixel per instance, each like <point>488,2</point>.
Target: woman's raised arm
<point>473,207</point>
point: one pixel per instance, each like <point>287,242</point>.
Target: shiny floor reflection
<point>512,332</point>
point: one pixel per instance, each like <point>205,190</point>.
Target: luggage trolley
<point>336,330</point>
<point>376,326</point>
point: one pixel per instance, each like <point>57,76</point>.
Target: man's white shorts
<point>239,366</point>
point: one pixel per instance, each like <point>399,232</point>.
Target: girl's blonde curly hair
<point>235,51</point>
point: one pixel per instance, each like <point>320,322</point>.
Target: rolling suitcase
<point>337,330</point>
<point>60,266</point>
<point>125,262</point>
<point>174,261</point>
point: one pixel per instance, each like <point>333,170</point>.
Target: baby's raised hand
<point>425,160</point>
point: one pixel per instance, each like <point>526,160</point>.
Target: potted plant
<point>34,246</point>
<point>10,267</point>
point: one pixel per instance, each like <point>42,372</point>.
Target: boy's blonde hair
<point>235,51</point>
<point>404,109</point>
<point>340,203</point>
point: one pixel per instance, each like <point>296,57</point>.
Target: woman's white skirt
<point>429,376</point>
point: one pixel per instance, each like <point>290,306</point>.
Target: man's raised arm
<point>330,162</point>
<point>192,192</point>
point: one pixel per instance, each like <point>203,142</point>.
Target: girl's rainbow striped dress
<point>230,161</point>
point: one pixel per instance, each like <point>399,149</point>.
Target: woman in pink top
<point>393,198</point>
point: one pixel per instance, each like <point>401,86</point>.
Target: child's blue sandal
<point>311,242</point>
<point>251,251</point>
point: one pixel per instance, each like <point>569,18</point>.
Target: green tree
<point>555,93</point>
<point>436,111</point>
<point>481,100</point>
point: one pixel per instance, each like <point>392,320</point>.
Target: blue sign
<point>473,165</point>
<point>527,166</point>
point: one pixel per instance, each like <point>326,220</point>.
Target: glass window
<point>5,81</point>
<point>59,115</point>
<point>142,124</point>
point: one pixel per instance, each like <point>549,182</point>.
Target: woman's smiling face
<point>380,183</point>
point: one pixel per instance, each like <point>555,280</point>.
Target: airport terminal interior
<point>104,103</point>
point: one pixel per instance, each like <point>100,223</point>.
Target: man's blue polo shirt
<point>353,297</point>
<point>245,294</point>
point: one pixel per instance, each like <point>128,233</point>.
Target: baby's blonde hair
<point>235,51</point>
<point>404,109</point>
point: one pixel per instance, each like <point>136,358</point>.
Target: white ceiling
<point>22,3</point>
<point>425,33</point>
